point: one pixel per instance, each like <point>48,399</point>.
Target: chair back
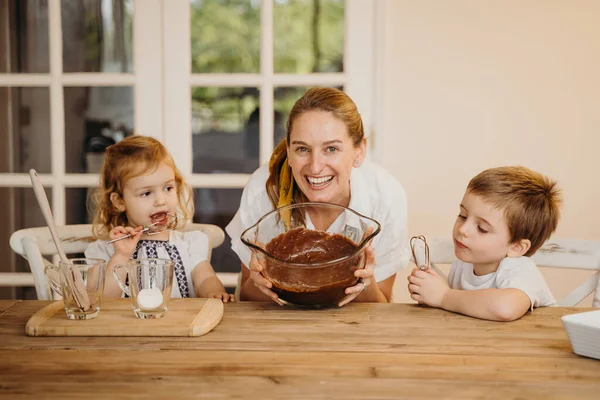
<point>555,253</point>
<point>35,243</point>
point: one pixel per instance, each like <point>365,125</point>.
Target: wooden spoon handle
<point>73,277</point>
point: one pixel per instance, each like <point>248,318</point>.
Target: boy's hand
<point>125,247</point>
<point>223,296</point>
<point>427,287</point>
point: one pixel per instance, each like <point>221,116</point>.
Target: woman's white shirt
<point>374,192</point>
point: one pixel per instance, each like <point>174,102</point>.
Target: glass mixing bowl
<point>308,267</point>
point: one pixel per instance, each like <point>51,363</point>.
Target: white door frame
<point>357,79</point>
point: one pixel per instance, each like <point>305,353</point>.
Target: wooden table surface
<point>259,350</point>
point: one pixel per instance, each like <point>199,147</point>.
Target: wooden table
<point>259,350</point>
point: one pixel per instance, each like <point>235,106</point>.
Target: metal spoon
<point>171,224</point>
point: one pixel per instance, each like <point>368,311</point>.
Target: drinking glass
<point>80,283</point>
<point>149,285</point>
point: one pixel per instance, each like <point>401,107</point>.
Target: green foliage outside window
<point>225,38</point>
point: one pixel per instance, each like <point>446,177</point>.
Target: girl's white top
<point>192,246</point>
<point>374,192</point>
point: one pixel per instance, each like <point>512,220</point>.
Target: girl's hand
<point>263,284</point>
<point>223,296</point>
<point>125,247</point>
<point>366,278</point>
<point>427,287</point>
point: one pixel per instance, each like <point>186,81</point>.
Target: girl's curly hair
<point>131,157</point>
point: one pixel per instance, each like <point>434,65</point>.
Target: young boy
<point>506,214</point>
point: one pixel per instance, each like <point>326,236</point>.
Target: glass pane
<point>284,99</point>
<point>97,35</point>
<point>24,129</point>
<point>18,210</point>
<point>225,129</point>
<point>78,206</point>
<point>78,210</point>
<point>24,36</point>
<point>95,118</point>
<point>225,36</point>
<point>217,207</point>
<point>308,36</point>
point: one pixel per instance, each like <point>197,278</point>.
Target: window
<point>212,79</point>
<point>69,86</point>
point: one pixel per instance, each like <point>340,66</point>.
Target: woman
<point>322,159</point>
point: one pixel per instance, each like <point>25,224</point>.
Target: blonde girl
<point>139,183</point>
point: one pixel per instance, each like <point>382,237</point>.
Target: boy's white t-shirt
<point>192,248</point>
<point>512,273</point>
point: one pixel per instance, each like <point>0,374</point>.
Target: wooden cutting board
<point>185,317</point>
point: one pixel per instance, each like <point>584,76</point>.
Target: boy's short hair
<point>530,202</point>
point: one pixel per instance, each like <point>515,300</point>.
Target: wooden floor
<point>259,350</point>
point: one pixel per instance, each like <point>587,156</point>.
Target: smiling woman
<point>322,159</point>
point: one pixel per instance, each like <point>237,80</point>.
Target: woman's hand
<point>366,276</point>
<point>125,247</point>
<point>223,296</point>
<point>263,284</point>
<point>427,287</point>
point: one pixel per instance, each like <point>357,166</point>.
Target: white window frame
<point>148,96</point>
<point>357,79</point>
<point>163,110</point>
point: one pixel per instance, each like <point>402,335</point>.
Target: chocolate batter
<point>309,283</point>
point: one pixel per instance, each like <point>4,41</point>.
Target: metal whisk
<point>413,246</point>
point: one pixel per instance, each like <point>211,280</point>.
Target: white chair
<point>556,253</point>
<point>34,243</point>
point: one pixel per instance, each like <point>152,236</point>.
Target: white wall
<point>471,84</point>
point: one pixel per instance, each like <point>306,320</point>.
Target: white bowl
<point>583,330</point>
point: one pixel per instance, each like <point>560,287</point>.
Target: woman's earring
<point>356,164</point>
